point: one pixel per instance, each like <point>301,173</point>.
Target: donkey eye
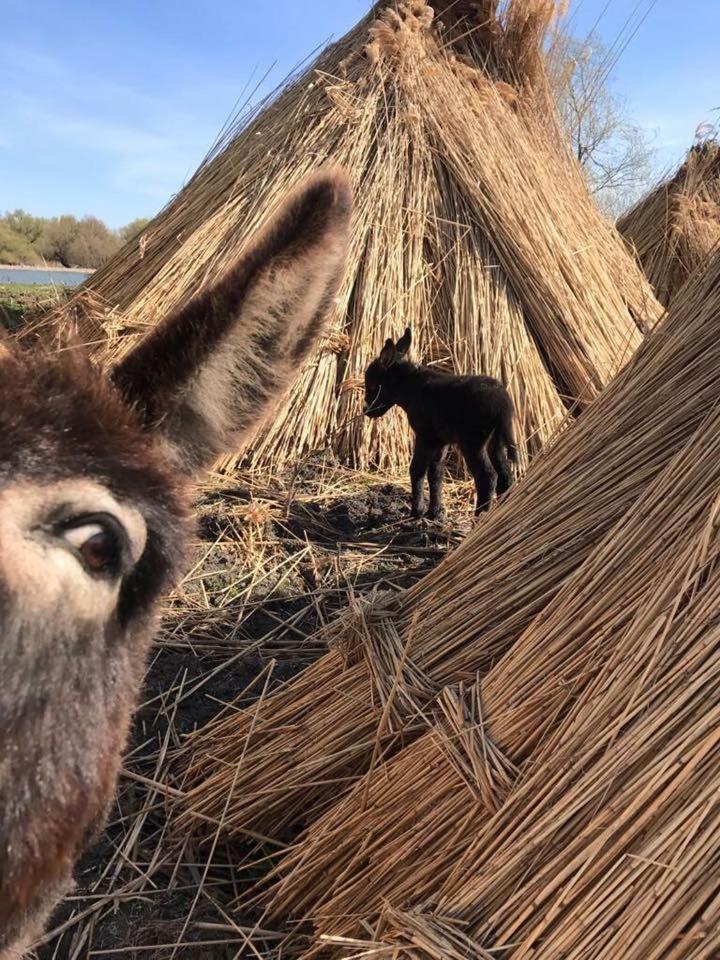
<point>97,544</point>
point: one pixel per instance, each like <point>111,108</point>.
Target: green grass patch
<point>39,291</point>
<point>17,298</point>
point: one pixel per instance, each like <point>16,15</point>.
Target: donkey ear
<point>403,344</point>
<point>387,354</point>
<point>210,372</point>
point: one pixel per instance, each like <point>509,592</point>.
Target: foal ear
<point>387,354</point>
<point>211,371</point>
<point>403,344</point>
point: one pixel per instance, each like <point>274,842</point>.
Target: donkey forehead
<point>60,421</point>
<point>66,432</point>
<point>375,370</point>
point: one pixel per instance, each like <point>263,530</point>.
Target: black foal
<point>474,413</point>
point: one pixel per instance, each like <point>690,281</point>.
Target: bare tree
<point>615,154</point>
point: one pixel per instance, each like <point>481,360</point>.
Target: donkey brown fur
<point>94,517</point>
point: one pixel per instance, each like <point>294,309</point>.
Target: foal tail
<point>505,433</point>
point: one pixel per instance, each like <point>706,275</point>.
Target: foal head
<point>383,378</point>
<point>94,472</point>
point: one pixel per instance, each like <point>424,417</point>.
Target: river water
<point>43,275</point>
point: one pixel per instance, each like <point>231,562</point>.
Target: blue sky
<point>669,76</point>
<point>108,107</point>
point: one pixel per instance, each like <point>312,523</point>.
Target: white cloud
<point>151,163</point>
<point>137,143</point>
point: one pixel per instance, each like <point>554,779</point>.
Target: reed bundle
<point>676,226</point>
<point>609,845</point>
<point>473,226</point>
<point>285,761</point>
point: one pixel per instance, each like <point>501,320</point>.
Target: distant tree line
<point>67,240</point>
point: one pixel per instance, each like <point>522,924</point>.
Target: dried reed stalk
<point>472,286</point>
<point>304,746</point>
<point>676,226</point>
<point>558,291</point>
<point>580,329</point>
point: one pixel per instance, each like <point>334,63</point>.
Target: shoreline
<point>35,266</point>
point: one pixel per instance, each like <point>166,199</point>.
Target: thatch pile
<point>610,845</point>
<point>287,760</point>
<point>675,227</point>
<point>472,225</point>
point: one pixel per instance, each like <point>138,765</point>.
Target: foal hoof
<point>438,515</point>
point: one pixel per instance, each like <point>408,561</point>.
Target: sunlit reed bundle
<point>675,227</point>
<point>288,758</point>
<point>609,846</point>
<point>442,115</point>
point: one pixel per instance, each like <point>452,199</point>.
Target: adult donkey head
<point>94,477</point>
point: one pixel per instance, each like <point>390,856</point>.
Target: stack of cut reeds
<point>609,844</point>
<point>287,760</point>
<point>676,226</point>
<point>473,226</point>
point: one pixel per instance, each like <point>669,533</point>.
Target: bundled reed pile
<point>676,226</point>
<point>609,846</point>
<point>473,225</point>
<point>284,762</point>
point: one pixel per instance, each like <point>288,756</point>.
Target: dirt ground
<point>274,561</point>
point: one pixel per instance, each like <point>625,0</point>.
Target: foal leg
<point>435,476</point>
<point>418,470</point>
<point>481,467</point>
<point>501,464</point>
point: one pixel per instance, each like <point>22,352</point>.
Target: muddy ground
<point>274,562</point>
